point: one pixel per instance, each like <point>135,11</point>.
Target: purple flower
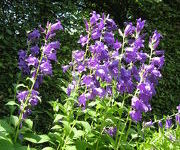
<point>111,25</point>
<point>82,100</point>
<point>34,35</point>
<point>111,131</point>
<point>83,40</point>
<point>109,38</point>
<point>46,67</point>
<point>65,68</point>
<point>94,18</point>
<point>138,105</point>
<point>22,64</point>
<point>159,52</point>
<point>32,61</point>
<point>168,123</point>
<point>81,68</point>
<point>50,50</point>
<point>129,29</point>
<point>56,26</point>
<point>26,113</point>
<point>34,50</point>
<point>21,96</point>
<point>178,108</point>
<point>99,91</point>
<point>140,25</point>
<point>34,98</point>
<point>96,34</point>
<point>160,124</point>
<point>117,45</point>
<point>178,118</point>
<point>154,41</point>
<point>158,61</point>
<point>88,80</point>
<point>136,115</point>
<point>101,72</point>
<point>78,55</point>
<point>147,124</point>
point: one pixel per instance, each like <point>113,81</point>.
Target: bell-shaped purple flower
<point>83,40</point>
<point>78,55</point>
<point>34,50</point>
<point>168,123</point>
<point>136,115</point>
<point>46,67</point>
<point>34,35</point>
<point>129,29</point>
<point>82,100</point>
<point>140,25</point>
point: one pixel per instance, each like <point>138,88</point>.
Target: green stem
<point>74,123</point>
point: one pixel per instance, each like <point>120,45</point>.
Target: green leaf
<point>11,103</point>
<point>56,127</point>
<point>67,127</point>
<point>34,138</point>
<point>86,125</point>
<point>78,134</point>
<point>71,147</point>
<point>5,127</point>
<point>14,120</point>
<point>6,145</point>
<point>48,148</point>
<point>29,123</point>
<point>58,117</point>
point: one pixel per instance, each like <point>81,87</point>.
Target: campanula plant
<point>113,80</point>
<point>112,70</point>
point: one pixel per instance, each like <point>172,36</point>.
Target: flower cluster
<point>106,62</point>
<point>36,62</point>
